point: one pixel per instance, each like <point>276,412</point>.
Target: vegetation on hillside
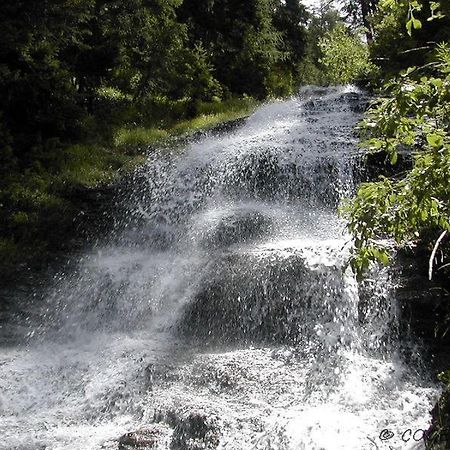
<point>345,57</point>
<point>86,86</point>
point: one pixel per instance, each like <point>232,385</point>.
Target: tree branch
<point>433,254</point>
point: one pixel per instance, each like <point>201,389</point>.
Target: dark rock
<point>377,164</point>
<point>145,438</point>
<point>196,431</point>
<point>424,306</point>
<point>177,430</point>
<point>248,298</point>
<point>240,225</point>
<point>438,435</point>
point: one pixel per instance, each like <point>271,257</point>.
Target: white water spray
<point>224,297</point>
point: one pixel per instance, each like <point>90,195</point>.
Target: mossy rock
<point>438,436</point>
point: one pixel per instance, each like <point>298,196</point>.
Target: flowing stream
<point>220,312</point>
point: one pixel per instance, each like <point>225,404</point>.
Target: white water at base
<point>224,295</point>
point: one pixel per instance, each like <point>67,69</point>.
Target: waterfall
<point>220,312</point>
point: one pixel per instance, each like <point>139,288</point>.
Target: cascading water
<point>221,314</point>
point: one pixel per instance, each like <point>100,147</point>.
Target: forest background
<point>88,86</point>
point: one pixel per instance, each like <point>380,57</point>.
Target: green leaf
<point>381,255</point>
<point>409,26</point>
<point>388,3</point>
<point>424,215</point>
<point>435,13</point>
<point>384,258</point>
<point>417,24</point>
<point>434,6</point>
<point>394,158</point>
<point>435,140</point>
<point>437,83</point>
<point>409,71</point>
<point>375,144</point>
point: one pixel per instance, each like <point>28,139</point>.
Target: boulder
<point>438,435</point>
<point>195,431</point>
<point>144,438</point>
<point>177,430</point>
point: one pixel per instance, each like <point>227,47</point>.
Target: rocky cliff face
<point>438,437</point>
<point>424,308</point>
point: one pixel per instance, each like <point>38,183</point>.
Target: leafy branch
<point>412,118</point>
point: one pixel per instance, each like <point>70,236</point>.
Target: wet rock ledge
<point>178,431</point>
<point>424,306</point>
<point>438,436</point>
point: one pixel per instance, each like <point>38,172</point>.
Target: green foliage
<point>310,72</point>
<point>414,8</point>
<point>233,107</point>
<point>359,13</point>
<point>345,57</point>
<point>28,210</point>
<point>251,44</point>
<point>323,19</point>
<point>209,115</point>
<point>138,138</point>
<point>412,116</point>
<point>405,33</point>
<point>79,76</point>
<point>35,201</point>
<point>212,114</point>
<point>86,166</point>
<point>290,20</point>
<point>335,51</point>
